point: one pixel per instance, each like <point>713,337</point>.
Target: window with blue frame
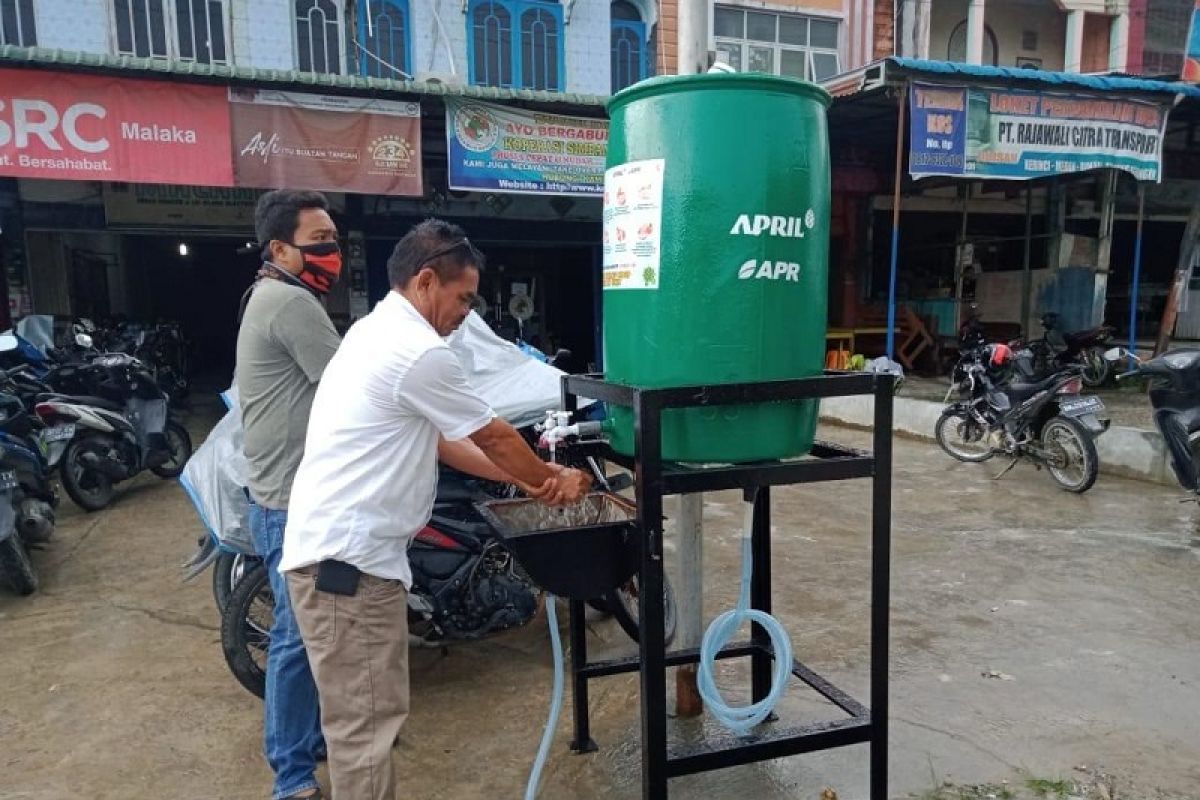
<point>629,59</point>
<point>383,35</point>
<point>516,44</point>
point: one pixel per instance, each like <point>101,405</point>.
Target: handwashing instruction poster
<point>633,224</point>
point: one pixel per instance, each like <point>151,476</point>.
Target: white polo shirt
<point>368,480</point>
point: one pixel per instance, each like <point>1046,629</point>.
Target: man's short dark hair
<point>277,214</point>
<point>436,244</point>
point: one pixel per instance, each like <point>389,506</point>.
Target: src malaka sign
<point>85,127</point>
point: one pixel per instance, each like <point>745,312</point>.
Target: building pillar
<point>914,39</point>
<point>693,37</point>
<point>1073,51</point>
<point>1118,43</point>
<point>975,29</point>
<point>908,31</point>
<point>924,17</point>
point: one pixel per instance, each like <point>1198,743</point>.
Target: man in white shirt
<point>393,400</point>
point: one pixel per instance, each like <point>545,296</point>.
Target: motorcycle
<point>466,585</point>
<point>1057,349</point>
<point>27,496</point>
<point>22,383</point>
<point>1004,408</point>
<point>121,431</point>
<point>1175,397</point>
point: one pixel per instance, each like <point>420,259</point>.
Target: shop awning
<point>870,105</point>
<point>891,72</point>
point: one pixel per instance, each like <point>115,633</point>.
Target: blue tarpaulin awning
<point>1066,80</point>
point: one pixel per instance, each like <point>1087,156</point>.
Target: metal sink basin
<point>578,551</point>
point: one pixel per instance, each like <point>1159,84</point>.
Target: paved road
<point>112,683</point>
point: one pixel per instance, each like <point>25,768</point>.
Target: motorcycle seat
<point>82,400</point>
<point>1020,392</point>
<point>1092,334</point>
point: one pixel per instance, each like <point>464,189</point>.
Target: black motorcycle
<point>1175,397</point>
<point>121,430</point>
<point>27,496</point>
<point>1003,408</point>
<point>466,586</point>
<point>1058,349</point>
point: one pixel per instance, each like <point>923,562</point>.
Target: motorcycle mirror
<point>83,340</point>
<point>8,343</point>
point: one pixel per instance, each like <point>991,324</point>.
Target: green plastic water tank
<point>716,247</point>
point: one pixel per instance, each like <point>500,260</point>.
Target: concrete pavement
<point>1033,631</point>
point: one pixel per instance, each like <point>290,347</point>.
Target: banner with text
<point>1010,134</point>
<point>345,144</point>
<point>499,149</point>
<point>1191,55</point>
<point>156,205</point>
<point>68,126</point>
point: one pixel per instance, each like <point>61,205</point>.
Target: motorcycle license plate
<point>60,433</point>
<point>1082,405</point>
<point>8,480</point>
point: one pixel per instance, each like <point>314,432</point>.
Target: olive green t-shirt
<point>283,345</point>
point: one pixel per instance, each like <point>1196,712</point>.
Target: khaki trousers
<point>358,649</point>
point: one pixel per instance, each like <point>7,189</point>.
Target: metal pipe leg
<point>651,639</point>
<point>760,593</point>
<point>881,545</point>
<point>583,742</point>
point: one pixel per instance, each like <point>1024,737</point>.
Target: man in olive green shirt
<point>284,343</point>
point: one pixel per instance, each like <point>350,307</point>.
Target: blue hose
<point>721,631</point>
<point>535,777</point>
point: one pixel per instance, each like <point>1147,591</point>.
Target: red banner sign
<point>328,143</point>
<point>85,127</point>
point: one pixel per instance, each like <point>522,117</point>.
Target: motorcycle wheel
<point>962,437</point>
<point>179,445</point>
<point>622,602</point>
<point>1067,438</point>
<point>15,567</point>
<point>1096,368</point>
<point>228,571</point>
<point>89,489</point>
<point>246,630</point>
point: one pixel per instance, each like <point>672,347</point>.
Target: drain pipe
<point>721,631</point>
<point>556,704</point>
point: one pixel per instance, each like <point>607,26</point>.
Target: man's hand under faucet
<point>504,448</point>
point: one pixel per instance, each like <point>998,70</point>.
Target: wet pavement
<point>1033,632</point>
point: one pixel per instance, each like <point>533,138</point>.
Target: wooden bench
<point>912,334</point>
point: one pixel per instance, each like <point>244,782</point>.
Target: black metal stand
<point>656,480</point>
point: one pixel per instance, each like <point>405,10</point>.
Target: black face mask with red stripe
<point>322,265</point>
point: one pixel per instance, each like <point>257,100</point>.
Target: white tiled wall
<point>264,34</point>
<point>80,25</point>
<point>444,49</point>
<point>589,64</point>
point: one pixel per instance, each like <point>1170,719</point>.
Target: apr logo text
<point>769,271</point>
